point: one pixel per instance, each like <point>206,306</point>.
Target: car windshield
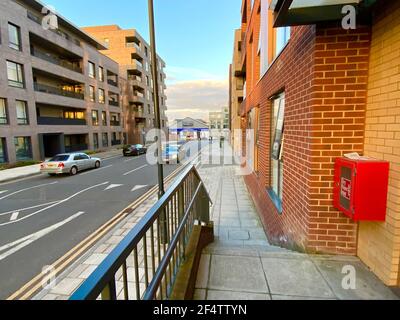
<point>59,158</point>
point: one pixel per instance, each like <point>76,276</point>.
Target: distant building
<point>189,128</point>
<point>219,123</point>
<point>132,52</point>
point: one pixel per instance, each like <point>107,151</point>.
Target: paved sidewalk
<point>241,265</point>
<point>28,171</point>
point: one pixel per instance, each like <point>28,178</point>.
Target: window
<point>23,148</point>
<point>282,38</point>
<point>22,113</point>
<point>3,112</point>
<point>102,97</point>
<point>104,118</point>
<point>277,139</point>
<point>15,75</point>
<point>92,95</point>
<point>105,139</point>
<point>92,70</point>
<point>101,74</point>
<point>148,109</point>
<point>3,151</point>
<point>14,36</point>
<point>74,115</point>
<point>95,117</point>
<point>95,140</point>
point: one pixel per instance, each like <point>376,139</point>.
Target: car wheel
<point>97,164</point>
<point>73,171</point>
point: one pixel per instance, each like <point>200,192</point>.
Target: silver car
<point>70,163</point>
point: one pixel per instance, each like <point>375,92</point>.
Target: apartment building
<point>236,90</point>
<point>133,54</point>
<point>58,93</point>
<point>315,92</point>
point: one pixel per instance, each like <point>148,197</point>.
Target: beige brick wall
<point>379,243</point>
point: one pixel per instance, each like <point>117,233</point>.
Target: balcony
<point>50,121</point>
<point>52,59</point>
<point>113,103</point>
<point>112,82</point>
<point>58,91</point>
<point>115,123</point>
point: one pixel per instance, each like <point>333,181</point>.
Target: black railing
<point>48,121</point>
<point>112,82</point>
<point>116,142</point>
<point>58,91</point>
<point>158,242</point>
<point>76,148</point>
<point>115,123</point>
<point>113,103</point>
<point>49,58</point>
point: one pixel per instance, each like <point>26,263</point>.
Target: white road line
<point>14,216</point>
<point>113,186</point>
<point>132,171</point>
<point>135,188</point>
<point>54,205</point>
<point>26,189</point>
<point>96,170</point>
<point>23,242</point>
<point>28,208</point>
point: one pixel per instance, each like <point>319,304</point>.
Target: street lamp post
<point>157,113</point>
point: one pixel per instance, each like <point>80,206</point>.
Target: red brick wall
<point>323,72</point>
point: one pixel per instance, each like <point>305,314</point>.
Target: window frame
<point>95,120</point>
<point>92,74</point>
<point>12,45</point>
<point>3,144</point>
<point>22,121</point>
<point>101,74</point>
<point>29,149</point>
<point>20,74</point>
<point>102,96</point>
<point>5,112</point>
<point>92,94</point>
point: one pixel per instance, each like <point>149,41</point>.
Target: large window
<point>23,148</point>
<point>105,139</point>
<point>92,96</point>
<point>95,140</point>
<point>101,74</point>
<point>102,96</point>
<point>22,113</point>
<point>104,118</point>
<point>92,70</point>
<point>3,112</point>
<point>14,36</point>
<point>3,151</point>
<point>95,118</point>
<point>15,75</point>
<point>281,39</point>
<point>277,140</point>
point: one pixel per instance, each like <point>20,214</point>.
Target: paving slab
<point>214,295</point>
<point>229,273</point>
<point>295,277</point>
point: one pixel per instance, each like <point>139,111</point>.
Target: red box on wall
<point>361,188</point>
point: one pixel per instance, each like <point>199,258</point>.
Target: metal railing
<point>60,121</point>
<point>58,91</point>
<point>112,82</point>
<point>113,103</point>
<point>145,264</point>
<point>49,58</point>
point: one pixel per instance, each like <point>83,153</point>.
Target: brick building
<point>315,91</point>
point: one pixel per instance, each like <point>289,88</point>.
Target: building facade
<point>133,54</point>
<point>188,129</point>
<point>58,93</point>
<point>315,92</point>
<point>236,90</point>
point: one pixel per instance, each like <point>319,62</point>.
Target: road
<point>43,217</point>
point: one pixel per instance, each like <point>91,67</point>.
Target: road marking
<point>113,186</point>
<point>132,171</point>
<point>96,170</point>
<point>23,242</point>
<point>14,216</point>
<point>138,188</point>
<point>26,189</point>
<point>4,191</point>
<point>54,205</point>
<point>28,208</point>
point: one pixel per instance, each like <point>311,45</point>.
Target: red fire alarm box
<point>361,188</point>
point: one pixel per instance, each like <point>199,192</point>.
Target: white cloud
<point>196,98</point>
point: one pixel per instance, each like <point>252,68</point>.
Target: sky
<point>194,37</point>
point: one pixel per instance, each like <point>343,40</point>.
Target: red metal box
<point>361,188</point>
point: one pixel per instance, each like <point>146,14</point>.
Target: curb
<point>28,175</point>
